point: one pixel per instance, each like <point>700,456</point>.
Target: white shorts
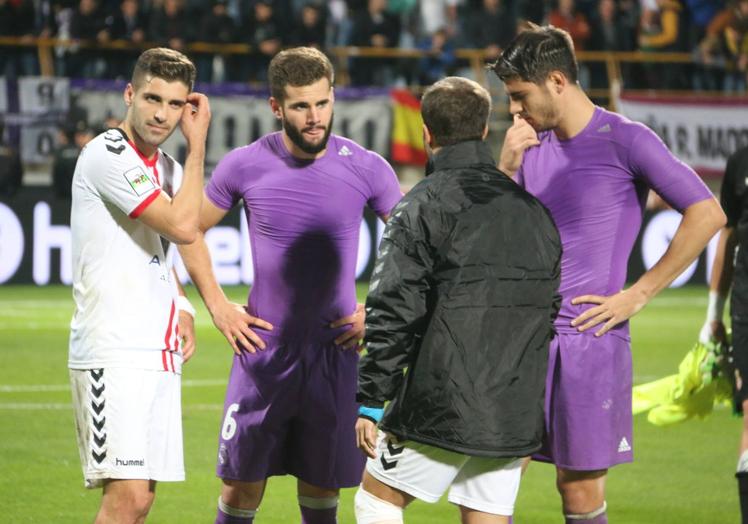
<point>129,424</point>
<point>484,484</point>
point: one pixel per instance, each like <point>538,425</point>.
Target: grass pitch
<point>681,474</point>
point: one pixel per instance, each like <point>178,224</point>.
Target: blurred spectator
<point>129,23</point>
<point>701,13</point>
<point>66,156</point>
<point>338,23</point>
<point>170,25</point>
<point>45,17</point>
<point>374,27</point>
<point>565,16</point>
<point>217,28</point>
<point>439,14</point>
<point>86,25</point>
<point>311,27</point>
<point>662,29</point>
<point>266,32</point>
<point>440,61</point>
<point>530,11</point>
<point>11,168</point>
<point>726,45</point>
<point>17,19</point>
<point>609,32</point>
<point>490,27</point>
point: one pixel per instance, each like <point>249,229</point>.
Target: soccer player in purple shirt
<point>592,169</point>
<point>290,403</point>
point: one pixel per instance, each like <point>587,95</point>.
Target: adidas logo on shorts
<point>624,446</point>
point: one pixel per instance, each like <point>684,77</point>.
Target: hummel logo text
<point>129,462</point>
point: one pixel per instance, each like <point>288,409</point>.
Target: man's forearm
<point>722,269</point>
<point>185,205</point>
<point>701,221</point>
<point>196,258</point>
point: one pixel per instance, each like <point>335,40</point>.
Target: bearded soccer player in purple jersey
<point>592,169</point>
<point>290,403</point>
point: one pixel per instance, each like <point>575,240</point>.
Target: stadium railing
<point>474,59</point>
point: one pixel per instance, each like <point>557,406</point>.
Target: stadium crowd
<point>713,30</point>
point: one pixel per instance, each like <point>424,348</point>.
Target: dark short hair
<point>167,64</point>
<point>535,53</point>
<point>298,66</point>
<point>455,110</point>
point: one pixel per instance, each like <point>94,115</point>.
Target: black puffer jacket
<point>460,310</point>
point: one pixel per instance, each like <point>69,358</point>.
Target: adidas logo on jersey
<point>624,446</point>
<point>344,151</point>
<point>604,129</point>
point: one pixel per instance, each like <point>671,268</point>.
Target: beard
<point>545,115</point>
<point>297,137</point>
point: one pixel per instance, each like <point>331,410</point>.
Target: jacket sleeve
<point>396,307</point>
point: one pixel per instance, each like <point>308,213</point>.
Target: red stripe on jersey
<point>155,173</point>
<point>164,361</point>
<point>167,337</point>
<point>150,162</point>
<point>144,204</point>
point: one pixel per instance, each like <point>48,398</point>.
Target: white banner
<point>3,94</point>
<point>239,120</point>
<point>41,95</point>
<point>702,132</point>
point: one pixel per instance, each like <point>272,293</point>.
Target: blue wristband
<point>373,414</point>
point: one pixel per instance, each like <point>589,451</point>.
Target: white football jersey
<point>124,290</point>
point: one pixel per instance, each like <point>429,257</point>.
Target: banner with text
<point>35,244</point>
<point>702,132</point>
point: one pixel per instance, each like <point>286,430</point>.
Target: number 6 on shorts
<point>229,424</point>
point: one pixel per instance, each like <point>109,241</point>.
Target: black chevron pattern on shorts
<point>98,420</point>
<point>393,452</point>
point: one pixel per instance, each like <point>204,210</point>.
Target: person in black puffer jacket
<point>458,322</point>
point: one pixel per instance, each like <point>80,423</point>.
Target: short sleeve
<point>384,186</point>
<point>119,176</point>
<point>730,200</point>
<point>221,189</point>
<point>651,161</point>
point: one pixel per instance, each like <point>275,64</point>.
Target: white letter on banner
<point>11,243</point>
<point>247,265</point>
<point>223,244</point>
<point>656,239</point>
<point>711,252</point>
<point>46,238</point>
<point>364,248</point>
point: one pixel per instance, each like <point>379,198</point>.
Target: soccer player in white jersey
<point>125,355</point>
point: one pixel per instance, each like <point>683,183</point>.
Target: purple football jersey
<point>293,404</point>
<point>304,220</point>
<point>595,186</point>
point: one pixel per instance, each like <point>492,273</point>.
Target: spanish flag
<point>407,130</point>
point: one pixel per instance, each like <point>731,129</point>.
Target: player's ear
<point>275,107</point>
<point>129,94</point>
<point>557,80</point>
<point>428,138</point>
<point>485,132</point>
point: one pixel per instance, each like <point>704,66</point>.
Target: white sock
<point>373,510</point>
